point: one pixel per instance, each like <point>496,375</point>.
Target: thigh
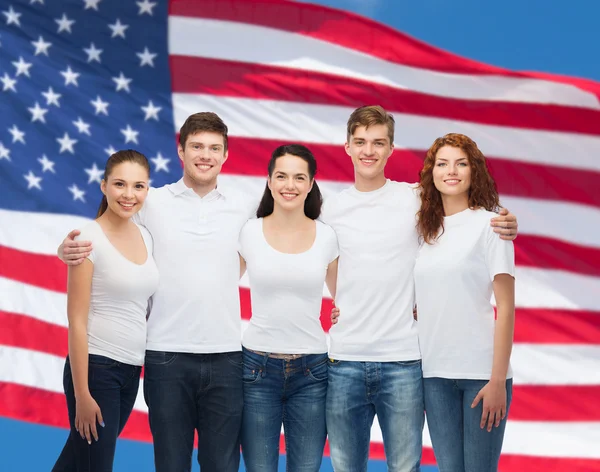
<point>400,412</point>
<point>481,448</point>
<point>263,414</point>
<point>349,415</point>
<point>304,416</point>
<point>170,393</point>
<point>444,409</point>
<point>129,393</point>
<point>220,405</point>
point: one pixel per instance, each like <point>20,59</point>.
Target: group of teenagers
<point>153,281</point>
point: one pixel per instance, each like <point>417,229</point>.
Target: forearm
<point>503,342</point>
<point>78,358</point>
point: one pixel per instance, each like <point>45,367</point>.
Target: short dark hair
<point>369,116</point>
<point>203,121</point>
<point>314,200</point>
<point>126,155</point>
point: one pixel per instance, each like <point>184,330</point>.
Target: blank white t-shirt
<point>454,285</point>
<point>286,292</point>
<point>119,298</point>
<point>378,243</point>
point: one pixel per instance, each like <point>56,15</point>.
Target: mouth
<point>203,167</point>
<point>368,161</point>
<point>289,196</point>
<point>452,181</point>
<point>126,205</point>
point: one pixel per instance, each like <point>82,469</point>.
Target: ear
<point>347,148</point>
<point>269,182</point>
<point>103,186</point>
<point>391,149</point>
<point>225,156</point>
<point>180,152</point>
<point>312,182</point>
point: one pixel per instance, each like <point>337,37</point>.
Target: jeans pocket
<point>318,372</point>
<point>333,362</point>
<point>415,362</point>
<point>159,358</point>
<point>251,374</point>
<point>101,362</point>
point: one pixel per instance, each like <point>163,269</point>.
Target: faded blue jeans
<point>291,393</point>
<point>359,390</point>
<point>459,444</point>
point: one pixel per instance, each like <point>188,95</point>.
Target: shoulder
<point>90,232</point>
<point>251,226</point>
<point>333,203</point>
<point>405,190</point>
<point>327,231</point>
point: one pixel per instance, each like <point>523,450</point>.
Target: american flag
<point>82,78</point>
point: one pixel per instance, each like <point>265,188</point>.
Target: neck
<point>202,189</point>
<point>368,185</point>
<point>454,204</point>
<point>112,222</point>
<point>289,219</point>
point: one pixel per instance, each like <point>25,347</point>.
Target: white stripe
<point>41,370</point>
<point>552,439</point>
<point>262,45</point>
<point>533,364</point>
<point>326,124</point>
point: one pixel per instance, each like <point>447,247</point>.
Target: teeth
<point>204,166</point>
<point>289,195</point>
<point>126,205</point>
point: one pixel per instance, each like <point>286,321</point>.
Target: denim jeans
<point>459,444</point>
<point>358,391</point>
<point>291,393</point>
<point>194,392</point>
<point>114,386</point>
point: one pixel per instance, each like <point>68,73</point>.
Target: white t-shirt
<point>454,285</point>
<point>378,244</point>
<point>286,292</point>
<point>196,308</point>
<point>119,298</point>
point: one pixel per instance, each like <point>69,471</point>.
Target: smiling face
<point>369,149</point>
<point>203,156</point>
<point>290,182</point>
<point>126,188</point>
<point>452,172</point>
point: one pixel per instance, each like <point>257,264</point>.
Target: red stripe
<point>30,333</point>
<point>544,326</point>
<point>35,269</point>
<point>258,81</point>
<point>349,30</point>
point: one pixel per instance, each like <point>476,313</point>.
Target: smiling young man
<point>193,364</point>
<point>375,363</point>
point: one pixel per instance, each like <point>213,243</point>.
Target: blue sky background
<point>558,36</point>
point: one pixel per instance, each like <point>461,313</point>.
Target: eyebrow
<point>284,173</point>
<point>198,142</point>
<point>138,182</point>
<point>446,160</point>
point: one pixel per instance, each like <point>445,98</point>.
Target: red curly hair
<point>482,193</point>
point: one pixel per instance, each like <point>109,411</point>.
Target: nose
<point>452,169</point>
<point>369,149</point>
<point>128,192</point>
<point>289,184</point>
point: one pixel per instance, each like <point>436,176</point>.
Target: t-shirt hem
<point>287,349</point>
<point>396,357</point>
<point>194,349</point>
<point>461,376</point>
<point>134,360</point>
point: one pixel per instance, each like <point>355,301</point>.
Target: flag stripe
<point>326,124</point>
<point>268,37</point>
<point>557,326</point>
<point>261,81</point>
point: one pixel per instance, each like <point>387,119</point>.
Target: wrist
<point>498,380</point>
<point>82,394</point>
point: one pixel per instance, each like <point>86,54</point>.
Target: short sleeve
<point>499,255</point>
<point>332,249</point>
<point>147,239</point>
<point>244,239</point>
<point>88,233</point>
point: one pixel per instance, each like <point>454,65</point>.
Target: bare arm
<point>331,277</point>
<point>73,252</point>
<point>242,266</point>
<point>506,225</point>
<point>494,393</point>
<point>78,304</point>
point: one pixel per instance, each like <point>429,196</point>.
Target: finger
<point>484,418</point>
<point>100,419</point>
<point>94,431</point>
<point>88,435</point>
<point>76,248</point>
<point>477,400</point>
<point>491,421</point>
<point>503,211</point>
<point>498,418</point>
<point>73,233</point>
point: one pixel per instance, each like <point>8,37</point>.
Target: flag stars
<point>110,150</point>
<point>66,144</point>
<point>41,46</point>
<point>122,82</point>
<point>82,126</point>
<point>47,164</point>
<point>93,53</point>
<point>22,67</point>
<point>17,134</point>
<point>51,97</point>
<point>77,193</point>
<point>70,76</point>
<point>8,83</point>
<point>64,24</point>
<point>118,29</point>
<point>91,4</point>
<point>100,106</point>
<point>94,174</point>
<point>160,163</point>
<point>146,58</point>
<point>145,7</point>
<point>4,152</point>
<point>32,181</point>
<point>151,111</point>
<point>12,17</point>
<point>37,113</point>
<point>130,135</point>
<point>41,2</point>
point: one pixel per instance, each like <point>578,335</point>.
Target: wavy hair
<point>482,192</point>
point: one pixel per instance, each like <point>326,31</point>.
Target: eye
<point>379,144</point>
<point>300,178</point>
<point>140,186</point>
<point>280,177</point>
<point>440,164</point>
<point>463,164</point>
<point>119,184</point>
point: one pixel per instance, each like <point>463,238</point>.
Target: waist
<point>278,355</point>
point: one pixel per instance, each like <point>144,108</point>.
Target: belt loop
<point>304,364</point>
<point>265,359</point>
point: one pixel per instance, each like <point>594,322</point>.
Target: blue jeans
<point>459,444</point>
<point>114,386</point>
<point>291,393</point>
<point>194,392</point>
<point>359,390</point>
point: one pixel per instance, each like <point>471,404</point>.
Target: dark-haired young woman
<point>467,380</point>
<point>289,255</point>
<point>107,302</point>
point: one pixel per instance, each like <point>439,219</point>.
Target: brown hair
<point>482,192</point>
<point>203,121</point>
<point>127,155</point>
<point>370,116</point>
